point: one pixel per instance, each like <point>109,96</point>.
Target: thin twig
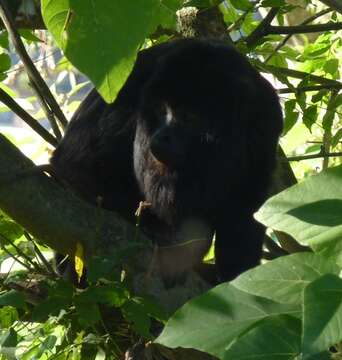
<point>20,252</point>
<point>27,118</point>
<point>48,112</point>
<point>32,72</point>
<point>288,37</point>
<point>335,4</point>
<point>15,258</point>
<point>39,254</point>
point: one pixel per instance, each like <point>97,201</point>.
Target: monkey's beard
<point>158,183</point>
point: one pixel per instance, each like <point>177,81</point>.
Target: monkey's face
<point>176,138</point>
<point>170,138</point>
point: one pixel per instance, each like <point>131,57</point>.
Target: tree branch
<point>314,156</point>
<point>310,88</point>
<point>50,213</point>
<point>61,220</point>
<point>295,74</point>
<point>27,118</point>
<point>262,29</point>
<point>305,22</point>
<point>303,29</point>
<point>42,89</point>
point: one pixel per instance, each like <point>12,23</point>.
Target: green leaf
<point>111,294</point>
<point>290,52</point>
<point>280,19</point>
<point>50,307</point>
<point>9,229</point>
<point>5,62</point>
<point>322,315</point>
<point>301,97</point>
<point>88,313</point>
<point>290,121</point>
<point>313,149</point>
<point>12,298</point>
<point>8,315</point>
<point>310,116</point>
<point>215,320</point>
<point>291,116</point>
<point>310,211</point>
<point>135,313</point>
<point>318,97</point>
<point>278,60</point>
<point>47,345</point>
<point>277,337</point>
<point>230,14</point>
<point>338,101</point>
<point>101,38</point>
<point>4,43</point>
<point>315,50</point>
<point>29,36</point>
<point>98,268</point>
<point>284,279</point>
<point>61,288</point>
<point>336,138</point>
<point>9,338</point>
<point>152,308</point>
<point>241,4</point>
<point>331,67</point>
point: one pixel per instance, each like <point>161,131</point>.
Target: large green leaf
<point>277,337</point>
<point>284,279</point>
<point>310,211</point>
<point>214,321</point>
<point>101,38</point>
<point>322,315</point>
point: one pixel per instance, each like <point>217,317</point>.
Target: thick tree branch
<point>40,86</point>
<point>61,220</point>
<point>27,118</point>
<point>55,216</point>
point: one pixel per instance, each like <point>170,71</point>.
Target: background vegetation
<point>290,307</point>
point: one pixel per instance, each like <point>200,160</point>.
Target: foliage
<point>116,53</point>
<point>287,308</point>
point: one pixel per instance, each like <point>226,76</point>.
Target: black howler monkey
<point>193,132</point>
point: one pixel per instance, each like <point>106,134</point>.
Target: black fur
<point>193,132</point>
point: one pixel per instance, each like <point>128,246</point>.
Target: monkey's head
<point>185,125</point>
